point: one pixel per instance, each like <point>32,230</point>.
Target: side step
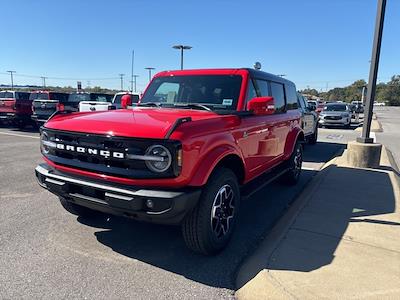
<point>248,190</point>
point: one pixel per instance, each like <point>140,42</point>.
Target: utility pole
<point>133,59</point>
<point>373,73</point>
<point>150,69</point>
<point>121,76</point>
<point>182,47</point>
<point>12,78</point>
<point>43,81</point>
<point>134,81</point>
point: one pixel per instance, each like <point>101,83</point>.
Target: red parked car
<point>181,155</point>
<point>15,108</point>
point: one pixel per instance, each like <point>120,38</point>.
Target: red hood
<point>137,122</point>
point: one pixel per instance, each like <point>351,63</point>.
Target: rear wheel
<point>208,228</point>
<point>78,210</point>
<point>295,162</point>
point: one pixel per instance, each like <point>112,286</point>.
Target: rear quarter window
<point>277,91</point>
<point>291,97</point>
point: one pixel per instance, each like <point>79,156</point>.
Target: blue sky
<point>316,43</point>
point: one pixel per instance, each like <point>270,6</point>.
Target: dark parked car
<point>309,120</point>
<point>63,102</point>
<point>45,103</point>
<point>15,108</point>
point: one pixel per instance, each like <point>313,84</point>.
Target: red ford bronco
<point>181,156</point>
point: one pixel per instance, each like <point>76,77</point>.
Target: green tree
<point>391,93</point>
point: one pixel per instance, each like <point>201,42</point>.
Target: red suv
<point>179,157</point>
<point>15,108</point>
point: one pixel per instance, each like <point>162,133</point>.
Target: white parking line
<point>20,135</point>
<point>373,135</point>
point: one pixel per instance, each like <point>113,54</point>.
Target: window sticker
<point>227,102</point>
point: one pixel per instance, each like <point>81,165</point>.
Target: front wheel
<point>295,162</point>
<point>208,228</point>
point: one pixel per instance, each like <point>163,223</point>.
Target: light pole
<point>150,69</point>
<point>373,73</point>
<point>133,59</point>
<point>121,76</point>
<point>182,47</point>
<point>43,81</point>
<point>134,80</point>
<point>12,78</point>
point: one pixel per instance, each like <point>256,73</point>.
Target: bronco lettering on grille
<point>91,151</point>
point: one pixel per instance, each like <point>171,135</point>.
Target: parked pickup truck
<point>118,96</point>
<point>97,102</point>
<point>181,156</point>
<point>45,103</point>
<point>15,108</point>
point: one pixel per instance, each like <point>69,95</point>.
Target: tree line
<point>388,92</point>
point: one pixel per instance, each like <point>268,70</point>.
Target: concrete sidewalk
<point>340,239</point>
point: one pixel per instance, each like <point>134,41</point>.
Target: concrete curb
<point>246,280</point>
<point>254,281</point>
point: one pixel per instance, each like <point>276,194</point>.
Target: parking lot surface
<point>47,253</point>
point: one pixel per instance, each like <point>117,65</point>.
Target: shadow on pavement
<point>321,152</point>
<point>163,246</point>
<point>345,196</point>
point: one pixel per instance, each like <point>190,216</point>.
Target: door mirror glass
<point>261,106</point>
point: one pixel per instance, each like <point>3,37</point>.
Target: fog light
<point>149,203</point>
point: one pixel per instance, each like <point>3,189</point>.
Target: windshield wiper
<point>150,104</point>
<point>193,106</point>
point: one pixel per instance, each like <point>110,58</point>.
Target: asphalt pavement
<point>389,117</point>
<point>49,254</point>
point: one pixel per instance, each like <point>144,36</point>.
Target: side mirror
<point>126,100</point>
<point>261,106</point>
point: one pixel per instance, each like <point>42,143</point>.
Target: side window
<point>251,91</point>
<point>278,93</point>
<point>263,88</point>
<point>291,97</point>
<point>302,102</point>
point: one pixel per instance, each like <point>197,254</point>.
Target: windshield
<point>101,97</point>
<point>6,95</point>
<point>39,96</point>
<point>217,92</point>
<point>78,97</point>
<point>335,107</point>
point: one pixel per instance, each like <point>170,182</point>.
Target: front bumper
<point>7,116</point>
<point>40,119</point>
<point>340,122</point>
<point>169,207</point>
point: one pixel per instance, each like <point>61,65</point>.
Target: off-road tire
<point>199,226</point>
<point>295,161</point>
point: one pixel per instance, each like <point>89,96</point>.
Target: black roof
<point>261,74</point>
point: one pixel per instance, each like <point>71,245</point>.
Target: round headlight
<point>43,145</point>
<point>160,158</point>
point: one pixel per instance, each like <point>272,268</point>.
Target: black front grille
<point>333,117</point>
<point>108,165</point>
